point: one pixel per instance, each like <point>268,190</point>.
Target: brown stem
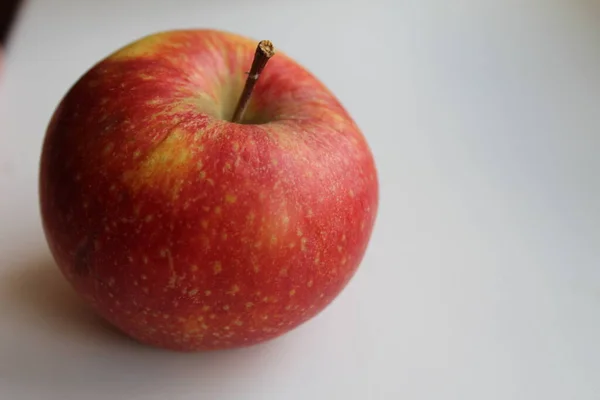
<point>264,51</point>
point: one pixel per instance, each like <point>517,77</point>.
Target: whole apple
<point>186,230</point>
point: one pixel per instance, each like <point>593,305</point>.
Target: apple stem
<point>264,51</point>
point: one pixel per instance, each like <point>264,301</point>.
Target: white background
<point>482,279</point>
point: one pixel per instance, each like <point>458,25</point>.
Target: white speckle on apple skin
<point>217,267</point>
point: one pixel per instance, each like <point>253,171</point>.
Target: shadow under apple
<point>38,295</point>
<point>52,345</point>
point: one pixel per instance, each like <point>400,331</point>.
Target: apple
<point>188,227</point>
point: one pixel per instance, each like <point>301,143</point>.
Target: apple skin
<point>190,232</point>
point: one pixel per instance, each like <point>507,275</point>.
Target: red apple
<point>191,232</point>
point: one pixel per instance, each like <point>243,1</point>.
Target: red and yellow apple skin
<point>190,232</point>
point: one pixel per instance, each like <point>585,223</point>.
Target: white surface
<point>482,280</point>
